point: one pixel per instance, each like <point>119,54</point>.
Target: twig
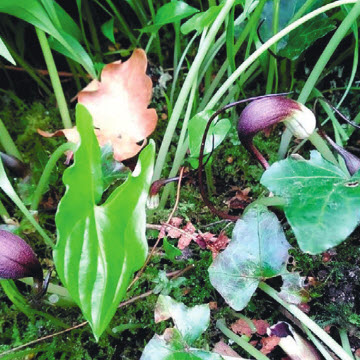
<point>45,72</point>
<point>43,338</point>
<point>173,275</point>
<point>159,236</point>
<point>141,296</point>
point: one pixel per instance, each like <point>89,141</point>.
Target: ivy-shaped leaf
<point>175,343</point>
<point>322,202</point>
<point>258,250</point>
<point>191,322</point>
<point>99,247</point>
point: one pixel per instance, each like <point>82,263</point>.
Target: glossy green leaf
<point>200,21</point>
<point>216,134</point>
<point>322,202</point>
<point>108,29</point>
<point>100,246</point>
<point>33,12</point>
<point>292,45</point>
<point>191,322</point>
<point>304,36</point>
<point>169,13</point>
<point>258,250</point>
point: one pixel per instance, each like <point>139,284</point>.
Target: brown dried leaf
<point>185,240</point>
<point>269,344</point>
<point>222,348</point>
<point>261,326</point>
<point>241,327</point>
<point>118,105</point>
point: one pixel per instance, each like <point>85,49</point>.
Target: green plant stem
<point>3,213</point>
<point>220,324</point>
<point>270,201</point>
<point>316,329</point>
<point>317,343</point>
<point>125,28</point>
<point>229,82</point>
<point>322,147</point>
<point>183,95</point>
<point>62,292</point>
<point>8,143</point>
<point>44,179</point>
<point>180,153</point>
<point>6,186</point>
<point>178,69</point>
<point>335,40</point>
<point>272,60</point>
<point>55,80</point>
<point>345,342</point>
<point>92,28</point>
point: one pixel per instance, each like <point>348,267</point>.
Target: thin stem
<point>322,147</point>
<point>220,324</point>
<point>193,72</point>
<point>125,27</point>
<point>345,342</point>
<point>8,143</point>
<point>92,28</point>
<point>316,329</point>
<point>255,55</point>
<point>323,60</point>
<point>6,186</point>
<point>3,213</point>
<point>44,179</point>
<point>177,70</point>
<point>54,77</point>
<point>270,201</point>
<point>317,343</point>
<point>183,139</point>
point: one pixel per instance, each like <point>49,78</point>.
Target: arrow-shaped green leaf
<point>99,247</point>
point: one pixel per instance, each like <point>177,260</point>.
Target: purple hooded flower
<point>17,259</point>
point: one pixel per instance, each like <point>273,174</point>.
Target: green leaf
<point>169,13</point>
<point>171,251</point>
<point>99,247</point>
<point>200,21</point>
<point>191,322</point>
<point>322,202</point>
<point>33,12</point>
<point>304,36</point>
<point>171,346</point>
<point>4,52</point>
<point>108,29</point>
<point>112,170</point>
<point>216,134</point>
<point>292,45</point>
<point>257,251</point>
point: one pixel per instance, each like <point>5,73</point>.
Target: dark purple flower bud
<point>352,162</point>
<point>267,111</point>
<point>17,167</point>
<point>17,259</point>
